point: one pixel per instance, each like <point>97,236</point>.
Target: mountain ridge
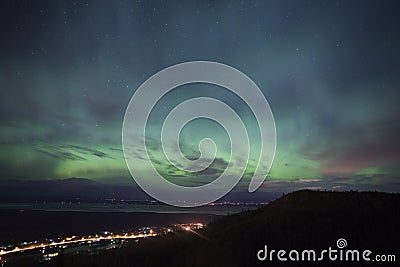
<point>89,190</point>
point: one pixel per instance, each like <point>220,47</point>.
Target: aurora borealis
<point>329,70</point>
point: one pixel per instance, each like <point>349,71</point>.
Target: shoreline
<point>29,225</point>
<point>127,207</point>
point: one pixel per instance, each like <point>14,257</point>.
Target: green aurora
<point>328,71</point>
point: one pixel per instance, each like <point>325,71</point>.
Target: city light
<point>63,242</point>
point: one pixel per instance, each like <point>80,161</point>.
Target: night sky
<point>329,70</point>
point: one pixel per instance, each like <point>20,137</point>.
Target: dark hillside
<point>300,220</point>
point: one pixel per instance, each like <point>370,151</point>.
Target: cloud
<point>88,151</point>
<point>62,155</point>
<point>63,152</point>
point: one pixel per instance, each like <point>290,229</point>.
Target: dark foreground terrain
<point>300,220</point>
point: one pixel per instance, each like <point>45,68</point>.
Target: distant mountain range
<point>71,189</point>
<point>87,190</point>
